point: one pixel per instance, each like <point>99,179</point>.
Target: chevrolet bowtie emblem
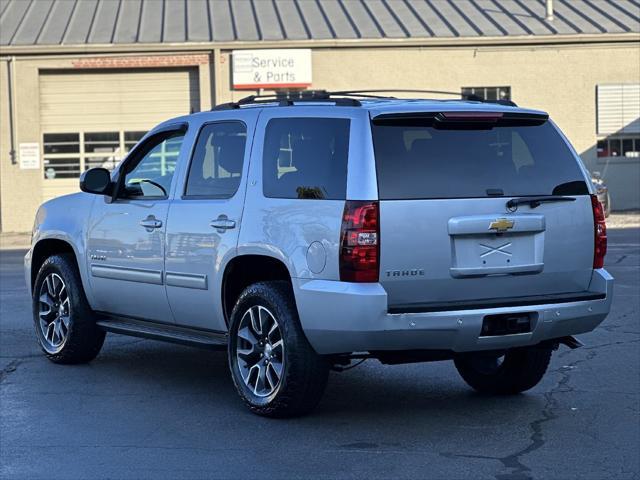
<point>501,224</point>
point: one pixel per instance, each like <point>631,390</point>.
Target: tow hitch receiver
<point>506,324</point>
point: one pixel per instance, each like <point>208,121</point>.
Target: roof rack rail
<point>340,98</point>
<point>471,97</point>
<point>289,98</point>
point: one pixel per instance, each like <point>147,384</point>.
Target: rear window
<point>417,160</point>
<point>306,158</point>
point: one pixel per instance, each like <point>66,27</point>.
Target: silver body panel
<point>449,240</point>
<point>354,317</point>
<point>126,261</point>
<point>173,274</point>
<point>197,253</point>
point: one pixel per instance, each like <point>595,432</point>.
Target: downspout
<point>12,109</point>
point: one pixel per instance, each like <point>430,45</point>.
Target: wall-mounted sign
<point>29,154</point>
<point>277,68</point>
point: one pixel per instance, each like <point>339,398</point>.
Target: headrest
<point>311,155</point>
<point>230,152</point>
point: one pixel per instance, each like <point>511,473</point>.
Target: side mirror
<point>96,180</point>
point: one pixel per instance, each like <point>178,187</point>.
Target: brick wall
<point>141,61</point>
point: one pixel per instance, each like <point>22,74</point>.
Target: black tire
<point>304,373</point>
<point>519,370</point>
<point>607,206</point>
<point>83,339</point>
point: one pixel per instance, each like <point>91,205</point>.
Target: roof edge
<point>506,41</point>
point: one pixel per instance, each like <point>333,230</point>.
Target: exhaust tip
<point>571,342</point>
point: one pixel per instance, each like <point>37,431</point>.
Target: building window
<point>61,155</point>
<point>618,107</point>
<point>618,122</point>
<point>131,138</point>
<point>101,149</point>
<point>67,155</point>
<point>488,93</point>
<point>615,146</point>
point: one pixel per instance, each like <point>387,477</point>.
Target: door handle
<point>151,223</point>
<point>222,223</point>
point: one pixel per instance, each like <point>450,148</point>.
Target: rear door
<point>204,219</point>
<point>447,236</point>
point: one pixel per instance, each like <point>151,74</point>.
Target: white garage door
<point>92,118</point>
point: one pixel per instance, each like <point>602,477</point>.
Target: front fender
<point>63,219</point>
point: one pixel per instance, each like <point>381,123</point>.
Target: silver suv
<point>302,233</point>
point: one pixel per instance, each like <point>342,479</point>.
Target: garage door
<point>92,118</point>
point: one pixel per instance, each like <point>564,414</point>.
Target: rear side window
<point>306,158</point>
<point>423,161</point>
<point>216,165</point>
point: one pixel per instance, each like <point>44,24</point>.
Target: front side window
<point>306,158</point>
<point>150,174</point>
<point>216,165</point>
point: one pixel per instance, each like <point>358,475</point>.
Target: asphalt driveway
<point>145,409</point>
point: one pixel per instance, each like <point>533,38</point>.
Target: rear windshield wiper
<point>536,201</point>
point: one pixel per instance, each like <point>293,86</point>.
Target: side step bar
<point>163,332</point>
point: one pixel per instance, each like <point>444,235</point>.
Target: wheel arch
<point>244,270</point>
<point>44,249</point>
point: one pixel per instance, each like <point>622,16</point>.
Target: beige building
<point>82,80</point>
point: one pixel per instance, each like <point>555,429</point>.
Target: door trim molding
<point>186,280</point>
<point>139,275</point>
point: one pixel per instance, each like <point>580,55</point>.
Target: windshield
<point>426,162</point>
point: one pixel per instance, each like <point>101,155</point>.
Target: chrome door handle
<point>151,223</point>
<point>222,223</point>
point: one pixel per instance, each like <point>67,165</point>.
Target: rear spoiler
<point>476,118</point>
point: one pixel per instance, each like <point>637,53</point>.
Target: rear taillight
<point>359,242</point>
<point>600,229</point>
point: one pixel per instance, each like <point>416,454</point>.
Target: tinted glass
<point>421,162</point>
<point>306,158</point>
<point>55,143</point>
<point>216,166</point>
<point>151,175</point>
<point>101,142</point>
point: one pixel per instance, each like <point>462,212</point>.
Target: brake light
<point>472,116</point>
<point>600,233</point>
<point>359,242</point>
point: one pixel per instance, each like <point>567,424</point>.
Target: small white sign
<point>274,68</point>
<point>29,156</point>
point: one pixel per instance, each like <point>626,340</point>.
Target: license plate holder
<point>480,255</point>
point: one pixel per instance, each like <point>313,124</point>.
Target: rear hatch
<point>448,238</point>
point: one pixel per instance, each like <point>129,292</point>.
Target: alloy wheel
<point>260,351</point>
<point>54,312</point>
